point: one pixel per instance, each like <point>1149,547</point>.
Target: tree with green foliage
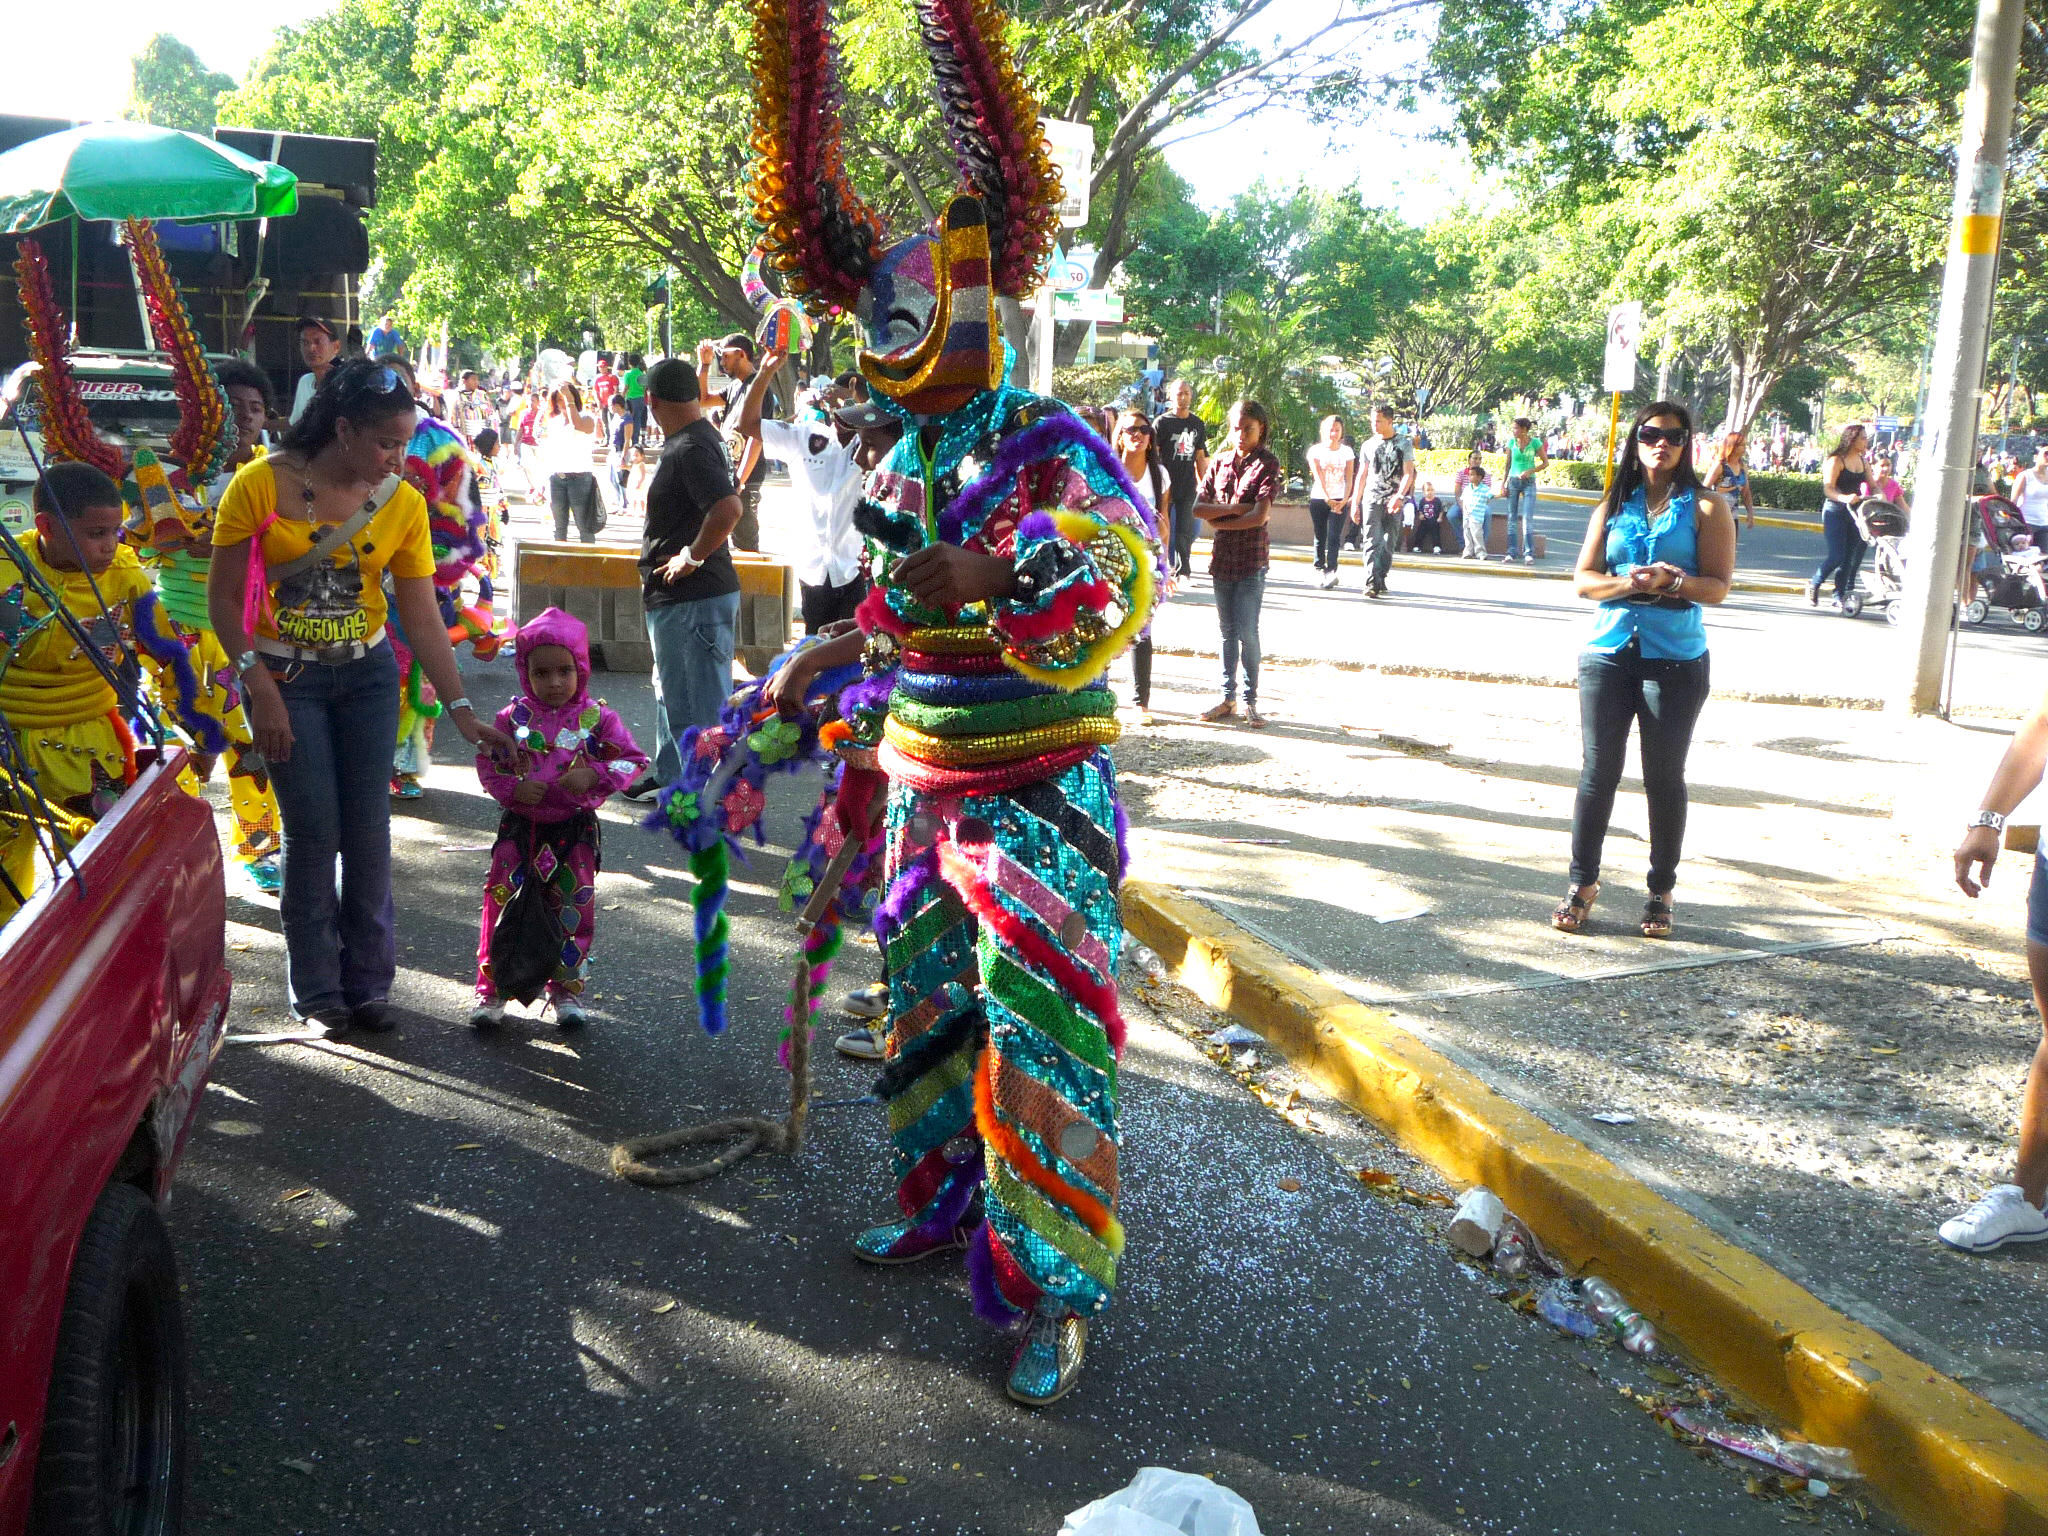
<point>1266,357</point>
<point>1775,172</point>
<point>169,86</point>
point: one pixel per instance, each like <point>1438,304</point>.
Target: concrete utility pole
<point>1948,448</point>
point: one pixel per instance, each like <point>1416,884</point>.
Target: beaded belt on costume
<point>325,655</point>
<point>960,722</point>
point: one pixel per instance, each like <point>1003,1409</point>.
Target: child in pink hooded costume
<point>574,753</point>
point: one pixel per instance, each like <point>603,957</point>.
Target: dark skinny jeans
<point>1616,689</point>
<point>1329,524</point>
<point>1844,556</point>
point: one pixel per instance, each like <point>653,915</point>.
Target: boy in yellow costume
<point>64,713</point>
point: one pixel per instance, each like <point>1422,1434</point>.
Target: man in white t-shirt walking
<point>1331,464</point>
<point>823,459</point>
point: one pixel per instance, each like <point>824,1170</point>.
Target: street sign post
<point>1072,146</point>
<point>1618,377</point>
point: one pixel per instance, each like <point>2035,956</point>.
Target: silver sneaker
<point>1048,1362</point>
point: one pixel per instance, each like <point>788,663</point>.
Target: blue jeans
<point>334,799</point>
<point>1521,516</point>
<point>1844,557</point>
<point>692,671</point>
<point>1237,615</point>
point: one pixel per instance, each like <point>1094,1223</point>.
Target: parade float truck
<point>116,994</point>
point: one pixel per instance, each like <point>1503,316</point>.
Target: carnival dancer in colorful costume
<point>177,552</point>
<point>59,703</point>
<point>573,753</point>
<point>1015,561</point>
<point>443,469</point>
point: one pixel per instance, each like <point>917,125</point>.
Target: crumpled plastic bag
<point>1162,1502</point>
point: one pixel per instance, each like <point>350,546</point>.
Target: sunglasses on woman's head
<point>381,381</point>
<point>1650,437</point>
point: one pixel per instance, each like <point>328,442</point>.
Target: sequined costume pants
<point>1001,929</point>
<point>566,855</point>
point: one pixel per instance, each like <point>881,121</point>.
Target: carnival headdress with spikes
<point>928,302</point>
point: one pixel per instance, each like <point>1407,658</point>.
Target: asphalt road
<point>421,1302</point>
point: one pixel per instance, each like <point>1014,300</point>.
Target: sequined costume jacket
<point>1000,919</point>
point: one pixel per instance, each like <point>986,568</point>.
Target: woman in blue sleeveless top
<point>1659,547</point>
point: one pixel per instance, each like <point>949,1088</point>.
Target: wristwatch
<point>245,661</point>
<point>1989,819</point>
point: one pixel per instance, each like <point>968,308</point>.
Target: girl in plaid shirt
<point>1235,499</point>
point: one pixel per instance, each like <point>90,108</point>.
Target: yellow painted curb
<point>1947,1460</point>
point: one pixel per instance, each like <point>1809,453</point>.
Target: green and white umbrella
<point>137,171</point>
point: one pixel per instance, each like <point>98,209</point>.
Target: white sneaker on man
<point>2005,1215</point>
<point>863,1044</point>
<point>870,1002</point>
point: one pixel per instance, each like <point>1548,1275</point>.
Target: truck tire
<point>113,1459</point>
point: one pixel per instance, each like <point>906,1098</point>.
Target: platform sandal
<point>1657,916</point>
<point>1577,906</point>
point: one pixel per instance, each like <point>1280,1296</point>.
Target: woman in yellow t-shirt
<point>318,672</point>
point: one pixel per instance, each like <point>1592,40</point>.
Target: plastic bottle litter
<point>1477,1223</point>
<point>1149,965</point>
<point>1511,1253</point>
<point>1820,1465</point>
<point>1629,1325</point>
<point>1237,1034</point>
<point>1558,1306</point>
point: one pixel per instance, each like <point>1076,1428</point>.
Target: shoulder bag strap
<point>333,537</point>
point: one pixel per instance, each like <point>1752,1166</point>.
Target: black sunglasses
<point>1650,437</point>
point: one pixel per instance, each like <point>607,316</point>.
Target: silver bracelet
<point>463,703</point>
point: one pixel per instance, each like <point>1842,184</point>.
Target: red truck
<point>113,998</point>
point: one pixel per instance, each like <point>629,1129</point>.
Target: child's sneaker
<point>264,874</point>
<point>2005,1215</point>
<point>569,1014</point>
<point>488,1013</point>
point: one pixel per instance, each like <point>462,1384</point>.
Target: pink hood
<point>554,627</point>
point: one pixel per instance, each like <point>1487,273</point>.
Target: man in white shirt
<point>823,459</point>
<point>319,346</point>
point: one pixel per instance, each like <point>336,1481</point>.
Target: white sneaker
<point>861,1044</point>
<point>569,1014</point>
<point>487,1015</point>
<point>867,1002</point>
<point>2005,1215</point>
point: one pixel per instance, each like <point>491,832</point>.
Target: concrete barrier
<point>600,584</point>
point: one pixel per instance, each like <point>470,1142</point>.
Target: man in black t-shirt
<point>1183,438</point>
<point>687,583</point>
<point>735,358</point>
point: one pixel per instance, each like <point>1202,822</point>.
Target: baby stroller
<point>1883,526</point>
<point>2009,568</point>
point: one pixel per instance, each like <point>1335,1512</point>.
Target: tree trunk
<point>1750,379</point>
